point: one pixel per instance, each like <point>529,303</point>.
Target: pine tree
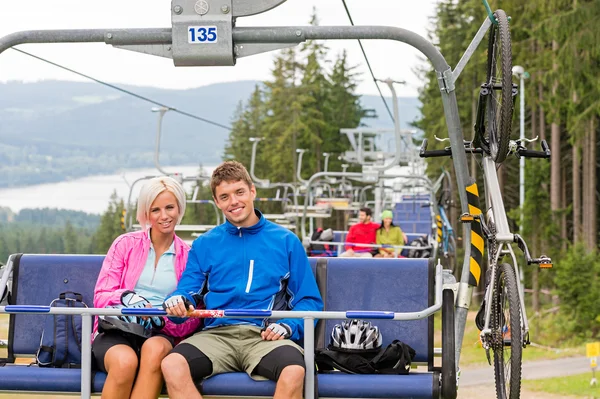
<point>110,225</point>
<point>248,122</point>
<point>70,239</point>
<point>343,109</point>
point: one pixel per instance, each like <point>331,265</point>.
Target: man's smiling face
<point>236,200</point>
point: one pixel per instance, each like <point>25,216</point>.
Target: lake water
<point>88,194</point>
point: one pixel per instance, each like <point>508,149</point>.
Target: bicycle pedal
<point>544,262</point>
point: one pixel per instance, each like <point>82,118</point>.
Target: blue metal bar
<point>143,312</point>
<point>247,313</point>
<point>369,315</point>
<point>26,309</point>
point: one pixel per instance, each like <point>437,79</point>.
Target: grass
<point>574,385</point>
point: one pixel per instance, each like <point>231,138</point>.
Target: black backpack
<point>325,250</point>
<point>394,359</point>
<point>60,344</point>
<point>418,252</point>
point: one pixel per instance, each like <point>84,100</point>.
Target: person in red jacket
<point>363,232</point>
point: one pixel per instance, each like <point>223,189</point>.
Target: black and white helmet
<point>355,335</point>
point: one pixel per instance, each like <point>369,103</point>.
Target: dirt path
<point>530,371</point>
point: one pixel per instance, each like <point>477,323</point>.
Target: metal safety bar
<point>308,316</point>
<point>368,245</point>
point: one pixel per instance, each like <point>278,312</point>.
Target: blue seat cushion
<point>331,385</point>
<point>33,378</point>
<point>415,385</point>
<point>236,385</point>
<point>400,285</point>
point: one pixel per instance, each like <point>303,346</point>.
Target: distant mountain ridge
<point>52,130</point>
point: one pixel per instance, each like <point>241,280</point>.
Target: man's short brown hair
<point>229,171</point>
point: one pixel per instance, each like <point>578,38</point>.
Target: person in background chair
<point>363,232</point>
<point>388,234</point>
<point>139,270</point>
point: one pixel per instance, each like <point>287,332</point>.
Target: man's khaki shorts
<point>235,348</point>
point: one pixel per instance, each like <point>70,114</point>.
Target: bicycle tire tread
<point>502,137</point>
<point>510,281</point>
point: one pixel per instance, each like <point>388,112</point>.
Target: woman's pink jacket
<point>122,268</point>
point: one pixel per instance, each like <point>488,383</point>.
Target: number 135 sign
<point>202,34</point>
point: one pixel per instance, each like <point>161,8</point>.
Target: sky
<point>388,59</point>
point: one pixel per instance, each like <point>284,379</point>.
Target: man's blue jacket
<point>259,267</point>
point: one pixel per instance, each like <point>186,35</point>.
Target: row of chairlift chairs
<point>391,178</point>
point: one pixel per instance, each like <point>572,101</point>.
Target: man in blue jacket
<point>245,263</point>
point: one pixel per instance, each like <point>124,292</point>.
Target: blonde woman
<point>388,234</point>
<point>139,270</point>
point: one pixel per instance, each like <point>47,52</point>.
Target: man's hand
<point>178,306</point>
<point>276,331</point>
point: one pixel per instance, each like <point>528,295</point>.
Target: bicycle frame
<point>495,213</point>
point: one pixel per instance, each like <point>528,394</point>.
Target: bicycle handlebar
<point>545,153</point>
<point>423,153</point>
<point>520,151</point>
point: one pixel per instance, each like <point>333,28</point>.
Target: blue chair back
<point>400,285</point>
<point>37,280</point>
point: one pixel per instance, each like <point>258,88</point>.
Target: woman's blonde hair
<point>151,189</point>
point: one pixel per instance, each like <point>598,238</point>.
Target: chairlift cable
<point>369,64</point>
<point>112,86</point>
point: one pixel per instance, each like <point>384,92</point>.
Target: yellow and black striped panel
<point>476,236</point>
<point>438,220</point>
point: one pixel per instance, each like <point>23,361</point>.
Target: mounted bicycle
<point>502,318</point>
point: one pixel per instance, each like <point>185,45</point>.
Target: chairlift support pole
<point>326,162</point>
<point>263,183</point>
<point>300,152</point>
<point>397,132</point>
<point>161,113</point>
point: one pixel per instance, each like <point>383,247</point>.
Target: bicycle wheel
<point>448,346</point>
<point>499,102</point>
<point>507,340</point>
